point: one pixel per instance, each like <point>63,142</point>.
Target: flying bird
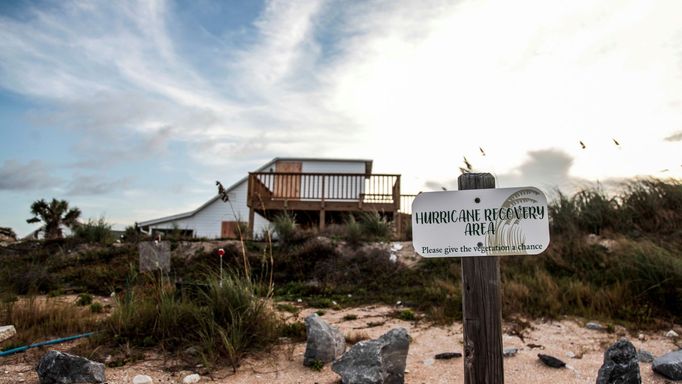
<point>468,164</point>
<point>615,142</point>
<point>582,145</point>
<point>482,151</point>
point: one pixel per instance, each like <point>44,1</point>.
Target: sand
<point>567,339</point>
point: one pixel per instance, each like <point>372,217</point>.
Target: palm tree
<point>54,215</point>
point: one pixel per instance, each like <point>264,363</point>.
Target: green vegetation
<point>285,227</point>
<point>407,315</point>
<point>94,231</point>
<point>316,365</point>
<point>611,258</point>
<point>223,321</point>
<point>84,299</point>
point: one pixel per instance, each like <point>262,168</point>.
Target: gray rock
<point>62,368</point>
<point>510,352</point>
<point>593,325</point>
<point>621,365</point>
<point>644,356</point>
<point>551,361</point>
<point>669,365</point>
<point>7,332</point>
<point>325,343</point>
<point>380,361</point>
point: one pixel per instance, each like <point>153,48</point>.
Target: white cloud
<point>414,85</point>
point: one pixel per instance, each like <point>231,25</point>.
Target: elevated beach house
<point>316,191</point>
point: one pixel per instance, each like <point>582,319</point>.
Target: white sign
<point>480,222</point>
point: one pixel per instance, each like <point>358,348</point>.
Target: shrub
<point>96,307</point>
<point>222,321</point>
<point>84,299</point>
<point>353,235</point>
<point>407,315</point>
<point>94,231</point>
<point>294,331</point>
<point>285,227</point>
<point>375,227</point>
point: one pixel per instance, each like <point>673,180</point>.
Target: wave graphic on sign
<point>508,234</point>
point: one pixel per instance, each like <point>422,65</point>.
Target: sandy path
<point>284,365</point>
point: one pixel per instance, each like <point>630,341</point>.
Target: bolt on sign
<point>480,222</point>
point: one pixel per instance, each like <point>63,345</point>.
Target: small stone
<point>645,356</point>
<point>142,379</point>
<point>593,325</point>
<point>193,378</point>
<point>192,351</point>
<point>510,352</point>
<point>669,365</point>
<point>641,337</point>
<point>551,361</point>
<point>7,332</point>
<point>447,355</point>
<point>429,362</point>
<point>570,354</point>
<point>672,334</point>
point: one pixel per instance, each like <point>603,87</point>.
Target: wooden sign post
<point>482,305</point>
<point>478,223</point>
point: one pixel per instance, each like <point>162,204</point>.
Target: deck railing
<point>406,203</point>
<point>356,187</point>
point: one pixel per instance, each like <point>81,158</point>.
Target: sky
<point>131,110</point>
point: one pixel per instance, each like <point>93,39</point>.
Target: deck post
<point>322,212</point>
<point>396,203</point>
<point>251,218</point>
<point>482,306</point>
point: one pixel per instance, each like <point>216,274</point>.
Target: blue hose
<point>42,343</point>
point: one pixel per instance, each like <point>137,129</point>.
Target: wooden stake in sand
<point>482,305</point>
<point>478,223</point>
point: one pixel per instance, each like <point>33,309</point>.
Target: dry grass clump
<point>40,319</point>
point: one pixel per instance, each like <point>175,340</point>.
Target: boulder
<point>7,332</point>
<point>621,365</point>
<point>380,361</point>
<point>325,343</point>
<point>669,365</point>
<point>62,368</point>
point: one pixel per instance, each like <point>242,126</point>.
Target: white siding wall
<point>207,222</point>
<point>356,186</point>
<point>333,166</point>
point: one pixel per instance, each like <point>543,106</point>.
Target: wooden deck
<point>270,193</point>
